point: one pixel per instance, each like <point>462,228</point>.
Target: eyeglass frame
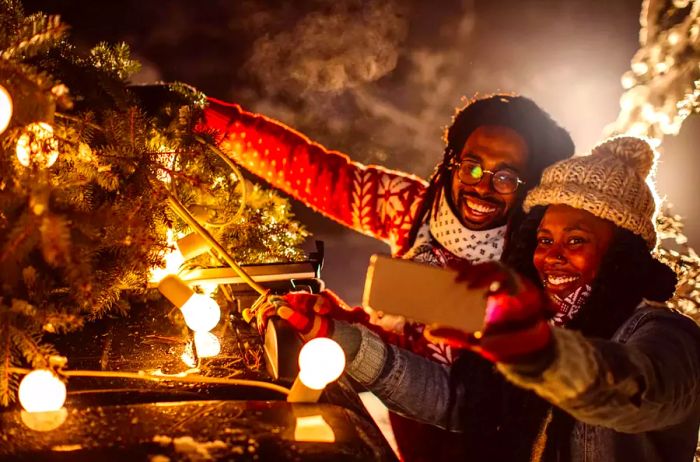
<point>458,163</point>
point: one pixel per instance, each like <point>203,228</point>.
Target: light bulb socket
<point>192,246</point>
<point>300,393</point>
<point>174,289</point>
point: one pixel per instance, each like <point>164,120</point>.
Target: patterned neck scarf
<point>570,305</point>
<point>474,246</point>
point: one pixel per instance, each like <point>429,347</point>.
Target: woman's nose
<point>554,255</point>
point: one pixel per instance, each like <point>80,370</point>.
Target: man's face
<point>571,244</point>
<point>496,148</point>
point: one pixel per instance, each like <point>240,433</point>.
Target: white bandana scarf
<point>474,246</point>
<point>570,305</point>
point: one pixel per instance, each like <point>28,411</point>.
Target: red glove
<point>309,314</point>
<point>515,324</point>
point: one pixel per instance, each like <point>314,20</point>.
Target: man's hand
<point>309,314</point>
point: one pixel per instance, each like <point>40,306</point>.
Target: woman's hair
<point>547,143</point>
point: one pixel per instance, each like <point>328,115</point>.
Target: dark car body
<point>127,419</point>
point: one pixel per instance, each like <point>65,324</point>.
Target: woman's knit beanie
<point>610,182</point>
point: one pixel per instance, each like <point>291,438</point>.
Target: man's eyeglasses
<point>470,172</point>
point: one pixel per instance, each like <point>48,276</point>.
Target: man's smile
<point>478,210</point>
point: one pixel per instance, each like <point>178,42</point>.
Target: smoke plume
<point>337,47</point>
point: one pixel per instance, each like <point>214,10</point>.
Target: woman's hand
<point>515,325</point>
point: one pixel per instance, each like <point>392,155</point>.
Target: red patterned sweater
<point>373,200</point>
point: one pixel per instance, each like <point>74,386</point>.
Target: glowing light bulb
<point>41,391</point>
<point>37,146</point>
<point>661,67</point>
<point>201,313</point>
<point>640,67</point>
<point>628,80</point>
<point>321,361</point>
<point>5,108</point>
<point>674,37</point>
<point>207,344</point>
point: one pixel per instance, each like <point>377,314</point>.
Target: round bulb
<point>201,313</point>
<point>5,108</point>
<point>321,361</point>
<point>37,145</point>
<point>41,391</point>
<point>207,344</point>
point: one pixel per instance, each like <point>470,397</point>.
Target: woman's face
<point>571,244</point>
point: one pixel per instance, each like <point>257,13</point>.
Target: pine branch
<point>55,239</point>
<point>679,256</point>
<point>114,59</point>
<point>37,33</point>
<point>21,238</point>
<point>27,339</point>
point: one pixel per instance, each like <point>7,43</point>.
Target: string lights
<point>42,391</point>
<point>5,108</point>
<point>37,146</point>
<point>201,313</point>
<point>321,361</point>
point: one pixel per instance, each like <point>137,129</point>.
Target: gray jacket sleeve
<point>407,383</point>
<point>650,382</point>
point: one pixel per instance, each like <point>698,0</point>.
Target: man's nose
<point>484,187</point>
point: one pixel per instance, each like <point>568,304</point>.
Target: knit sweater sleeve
<point>650,382</point>
<point>379,202</point>
<point>406,383</point>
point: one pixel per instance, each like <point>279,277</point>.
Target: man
<point>496,149</point>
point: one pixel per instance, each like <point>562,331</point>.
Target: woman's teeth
<point>558,280</point>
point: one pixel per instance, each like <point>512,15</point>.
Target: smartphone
<point>423,293</point>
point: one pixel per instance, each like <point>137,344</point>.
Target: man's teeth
<point>480,208</point>
<point>556,280</point>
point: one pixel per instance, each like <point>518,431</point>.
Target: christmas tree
<point>98,179</point>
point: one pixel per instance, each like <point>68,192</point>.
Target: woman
<point>615,375</point>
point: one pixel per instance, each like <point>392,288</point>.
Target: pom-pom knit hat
<point>610,182</point>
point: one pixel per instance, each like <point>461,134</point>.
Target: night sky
<point>380,79</point>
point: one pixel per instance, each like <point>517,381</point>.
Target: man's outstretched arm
<point>373,200</point>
